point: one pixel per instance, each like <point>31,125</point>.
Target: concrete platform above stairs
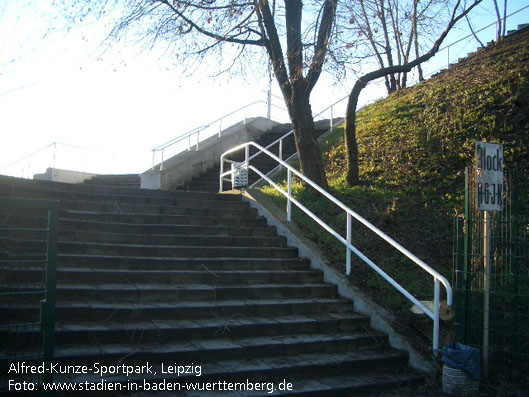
<point>180,168</point>
<point>194,277</point>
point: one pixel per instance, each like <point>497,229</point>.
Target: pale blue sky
<point>65,87</point>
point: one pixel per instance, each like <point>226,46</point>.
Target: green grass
<point>413,148</point>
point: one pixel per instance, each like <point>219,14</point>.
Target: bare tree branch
<point>350,129</point>
<point>328,17</point>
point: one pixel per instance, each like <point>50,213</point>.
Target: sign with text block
<point>489,176</point>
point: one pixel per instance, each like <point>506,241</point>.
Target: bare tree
<point>471,28</point>
<point>352,177</point>
<point>295,36</point>
<point>500,22</point>
<point>394,32</point>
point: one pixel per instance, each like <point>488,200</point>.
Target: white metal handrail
<point>282,138</point>
<point>347,241</point>
<point>54,146</point>
<point>195,131</point>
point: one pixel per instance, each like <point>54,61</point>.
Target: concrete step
<point>178,198</point>
<point>192,292</point>
<point>124,183</point>
<point>69,247</point>
<point>35,226</point>
<point>97,193</point>
<point>116,176</point>
<point>178,230</point>
<point>202,350</point>
<point>181,209</point>
<point>151,250</point>
<point>125,180</point>
<point>201,186</point>
<point>212,271</point>
<point>146,239</point>
<point>304,366</point>
<point>128,292</point>
<point>68,334</point>
<point>201,309</point>
<point>163,219</point>
<point>95,310</point>
<point>164,331</point>
<point>203,274</point>
<point>211,176</point>
<point>121,263</point>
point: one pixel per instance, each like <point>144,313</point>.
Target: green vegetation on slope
<point>414,146</point>
<point>420,139</point>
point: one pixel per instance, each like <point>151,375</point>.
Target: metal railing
<point>53,155</point>
<point>347,241</point>
<point>23,320</point>
<point>193,136</point>
<point>280,140</point>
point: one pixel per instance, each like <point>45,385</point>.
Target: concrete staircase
<point>209,181</point>
<point>197,278</point>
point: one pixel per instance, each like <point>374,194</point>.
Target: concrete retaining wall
<point>182,167</point>
<point>66,176</point>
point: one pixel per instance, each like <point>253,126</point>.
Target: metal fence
<point>495,321</point>
<point>28,261</point>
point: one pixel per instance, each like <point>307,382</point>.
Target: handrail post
<point>161,163</point>
<point>247,163</point>
<point>189,142</point>
<point>246,157</point>
<point>54,154</point>
<point>349,241</point>
<point>220,127</point>
<point>436,316</point>
<point>269,102</point>
<point>153,157</point>
<point>330,127</point>
<point>198,139</point>
<point>221,187</point>
<point>280,153</point>
<point>289,203</point>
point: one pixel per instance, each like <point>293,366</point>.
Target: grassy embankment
<point>414,146</point>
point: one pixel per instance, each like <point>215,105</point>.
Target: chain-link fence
<point>492,280</point>
<point>28,251</point>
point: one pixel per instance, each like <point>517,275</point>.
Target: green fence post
<point>459,262</point>
<point>467,256</point>
<point>515,273</point>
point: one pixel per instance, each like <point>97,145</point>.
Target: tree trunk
<point>498,21</point>
<point>353,177</point>
<point>305,136</point>
<point>353,173</point>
